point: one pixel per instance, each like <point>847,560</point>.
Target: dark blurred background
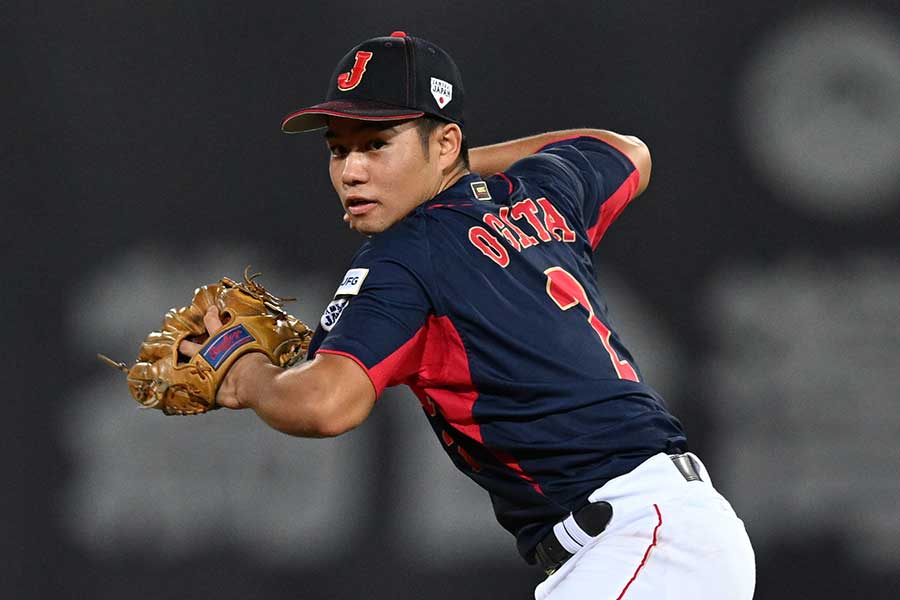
<point>757,280</point>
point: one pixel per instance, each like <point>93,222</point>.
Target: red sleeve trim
<point>613,207</point>
<point>357,361</point>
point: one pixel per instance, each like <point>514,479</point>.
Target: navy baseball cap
<point>388,78</point>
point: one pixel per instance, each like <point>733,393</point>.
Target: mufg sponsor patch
<point>352,282</point>
<point>224,344</point>
<point>350,286</point>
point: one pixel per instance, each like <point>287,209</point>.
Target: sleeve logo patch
<point>352,282</point>
<point>332,313</point>
<point>224,344</point>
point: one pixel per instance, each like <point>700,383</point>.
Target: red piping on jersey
<point>511,462</point>
<point>446,205</point>
<point>446,354</point>
<point>435,365</point>
<point>615,204</point>
<point>646,554</point>
<point>508,180</point>
<point>613,207</point>
<point>446,363</point>
<point>403,364</point>
<point>393,369</point>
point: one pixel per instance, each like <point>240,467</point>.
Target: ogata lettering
<point>539,216</point>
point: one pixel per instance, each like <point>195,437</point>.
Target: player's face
<point>380,171</point>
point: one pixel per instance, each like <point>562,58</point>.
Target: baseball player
<point>475,288</point>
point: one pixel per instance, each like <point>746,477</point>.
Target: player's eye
<point>337,151</point>
<point>377,144</point>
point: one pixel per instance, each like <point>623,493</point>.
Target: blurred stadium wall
<point>757,280</point>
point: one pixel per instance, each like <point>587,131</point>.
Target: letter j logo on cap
<point>349,80</point>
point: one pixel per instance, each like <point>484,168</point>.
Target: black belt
<point>593,519</point>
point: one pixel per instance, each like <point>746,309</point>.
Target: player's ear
<point>449,139</point>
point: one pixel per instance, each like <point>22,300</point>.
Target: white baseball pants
<point>669,539</point>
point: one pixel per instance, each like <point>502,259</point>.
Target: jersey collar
<point>466,189</point>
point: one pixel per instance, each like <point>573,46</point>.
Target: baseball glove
<point>253,321</point>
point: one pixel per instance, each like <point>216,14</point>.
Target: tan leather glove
<point>253,321</point>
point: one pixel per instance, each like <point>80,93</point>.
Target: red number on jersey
<point>566,292</point>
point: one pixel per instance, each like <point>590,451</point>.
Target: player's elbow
<point>349,408</point>
<point>326,397</point>
<point>314,423</point>
<point>346,394</point>
<point>328,413</point>
<point>639,154</point>
<point>635,149</point>
<point>333,423</point>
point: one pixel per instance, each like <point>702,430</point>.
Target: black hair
<point>426,126</point>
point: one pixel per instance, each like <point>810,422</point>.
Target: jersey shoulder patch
<point>350,286</point>
<point>332,313</point>
<point>352,282</point>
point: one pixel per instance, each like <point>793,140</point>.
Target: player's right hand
<point>227,395</point>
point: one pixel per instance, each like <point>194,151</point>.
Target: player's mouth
<point>358,206</point>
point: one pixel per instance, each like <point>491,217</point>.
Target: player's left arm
<point>324,397</point>
<point>487,160</point>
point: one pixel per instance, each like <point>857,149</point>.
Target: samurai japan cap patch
<point>442,91</point>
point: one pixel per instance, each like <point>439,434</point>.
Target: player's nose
<point>354,169</point>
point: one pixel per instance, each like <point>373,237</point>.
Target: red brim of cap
<point>316,117</point>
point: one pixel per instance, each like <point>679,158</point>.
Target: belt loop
<point>686,467</point>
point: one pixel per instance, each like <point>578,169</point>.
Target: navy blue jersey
<point>483,301</point>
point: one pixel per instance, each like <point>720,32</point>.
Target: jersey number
<point>566,292</point>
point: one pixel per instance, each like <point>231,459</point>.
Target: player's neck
<point>452,176</point>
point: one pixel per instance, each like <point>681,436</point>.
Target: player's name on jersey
<point>510,223</point>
